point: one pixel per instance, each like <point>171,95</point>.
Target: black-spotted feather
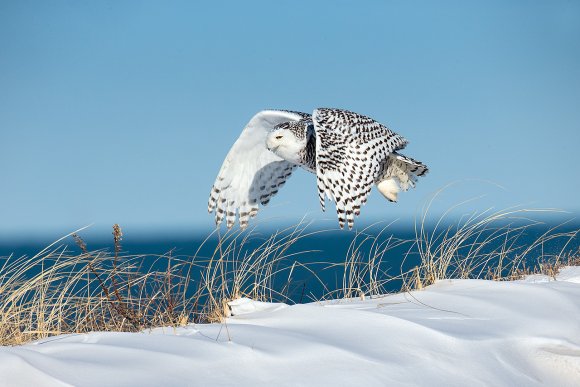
<point>350,150</point>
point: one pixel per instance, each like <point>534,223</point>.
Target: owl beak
<point>270,144</point>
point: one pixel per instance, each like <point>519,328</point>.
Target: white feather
<point>250,173</point>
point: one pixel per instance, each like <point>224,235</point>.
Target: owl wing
<point>350,150</point>
<point>250,174</point>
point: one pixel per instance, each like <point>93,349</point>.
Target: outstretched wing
<point>250,174</point>
<point>350,149</point>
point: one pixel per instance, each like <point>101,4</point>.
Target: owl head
<point>288,139</point>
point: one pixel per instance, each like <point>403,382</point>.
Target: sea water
<point>320,263</point>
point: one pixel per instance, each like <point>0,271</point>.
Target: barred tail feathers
<point>399,172</point>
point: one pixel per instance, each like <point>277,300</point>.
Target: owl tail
<point>398,172</point>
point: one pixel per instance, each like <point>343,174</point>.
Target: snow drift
<point>454,333</point>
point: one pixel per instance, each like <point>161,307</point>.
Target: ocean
<point>324,263</point>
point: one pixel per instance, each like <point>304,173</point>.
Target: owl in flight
<point>348,153</point>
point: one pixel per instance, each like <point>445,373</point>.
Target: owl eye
<point>279,137</point>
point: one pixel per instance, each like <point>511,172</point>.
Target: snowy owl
<point>348,152</point>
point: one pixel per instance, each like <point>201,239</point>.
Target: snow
<point>453,333</point>
<point>570,274</point>
<point>246,305</point>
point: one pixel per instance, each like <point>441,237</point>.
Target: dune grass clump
<point>59,291</point>
<point>367,269</point>
<point>492,245</point>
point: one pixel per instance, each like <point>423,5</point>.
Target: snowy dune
<point>454,333</point>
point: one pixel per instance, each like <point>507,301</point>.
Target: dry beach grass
<point>59,292</point>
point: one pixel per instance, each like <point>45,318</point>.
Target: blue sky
<point>122,111</point>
